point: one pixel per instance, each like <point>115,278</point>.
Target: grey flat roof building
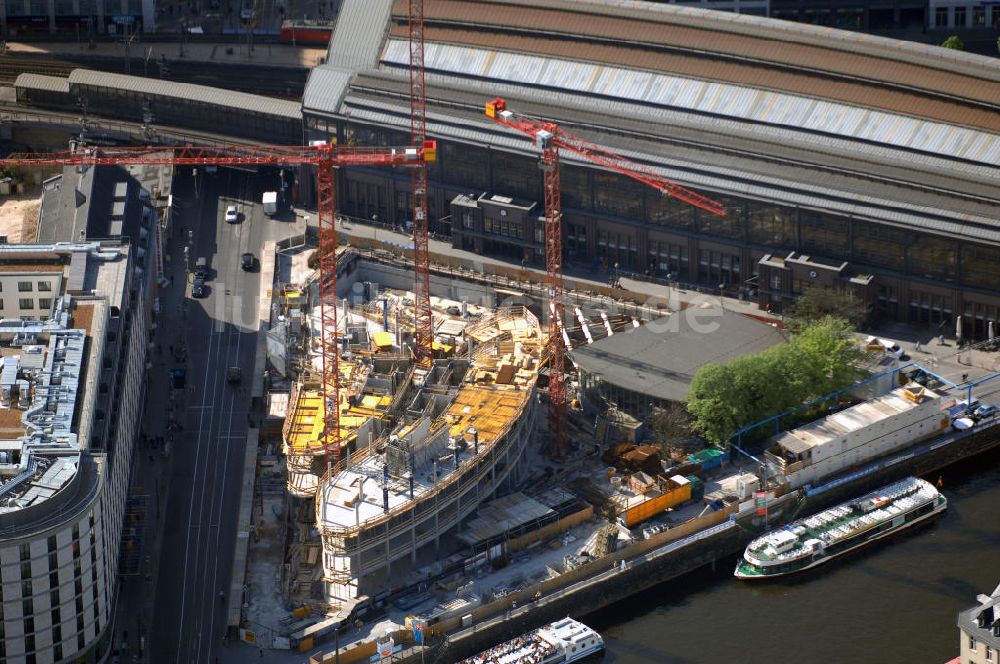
<point>658,360</point>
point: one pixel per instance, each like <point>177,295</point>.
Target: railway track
<point>11,66</point>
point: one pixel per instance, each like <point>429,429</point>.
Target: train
<point>316,32</point>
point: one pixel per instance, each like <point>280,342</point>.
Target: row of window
<point>72,7</point>
<point>974,16</point>
<point>29,286</point>
<point>989,649</point>
<point>44,303</point>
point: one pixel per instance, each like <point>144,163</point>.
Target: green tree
<point>954,42</point>
<point>820,358</point>
<point>818,302</point>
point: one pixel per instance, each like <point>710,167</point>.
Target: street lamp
<point>722,302</point>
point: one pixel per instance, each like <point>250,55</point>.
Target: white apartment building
<point>979,631</point>
<point>72,381</point>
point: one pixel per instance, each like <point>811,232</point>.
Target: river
<point>895,601</point>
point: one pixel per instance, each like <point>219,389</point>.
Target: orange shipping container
<point>679,492</point>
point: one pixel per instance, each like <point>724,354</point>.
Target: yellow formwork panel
<point>490,411</point>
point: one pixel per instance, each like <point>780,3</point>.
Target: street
<point>205,457</point>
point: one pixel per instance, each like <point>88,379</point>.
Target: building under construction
<point>421,447</point>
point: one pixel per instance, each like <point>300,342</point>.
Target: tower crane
<point>324,157</point>
<point>423,322</point>
<point>549,138</point>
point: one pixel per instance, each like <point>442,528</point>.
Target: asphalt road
<point>196,553</point>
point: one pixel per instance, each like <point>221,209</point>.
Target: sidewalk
<point>151,458</point>
<point>273,55</point>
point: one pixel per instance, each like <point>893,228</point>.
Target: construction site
<point>444,472</point>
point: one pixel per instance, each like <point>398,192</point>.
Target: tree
<point>954,42</point>
<point>820,358</point>
<point>818,302</point>
<point>671,427</point>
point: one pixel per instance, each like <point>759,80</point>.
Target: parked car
<point>886,346</point>
<point>232,216</point>
<point>248,262</point>
<point>198,288</point>
<point>234,375</point>
<point>963,423</point>
<point>986,410</point>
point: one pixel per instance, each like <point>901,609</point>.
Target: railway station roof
<point>188,92</point>
<point>898,132</point>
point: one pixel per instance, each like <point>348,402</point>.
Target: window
<point>467,218</point>
<point>44,286</point>
<point>54,601</point>
<point>517,176</point>
<point>617,195</point>
<point>464,165</point>
<point>934,258</point>
<point>717,268</point>
<point>26,303</point>
<point>730,226</point>
<point>575,183</point>
<point>81,642</point>
<point>44,303</point>
<point>25,555</point>
<point>27,607</point>
<point>825,235</point>
<point>959,17</point>
<point>980,266</point>
<point>972,643</point>
<point>24,287</point>
<point>880,246</point>
<point>772,225</point>
<point>979,17</point>
<point>989,654</point>
<point>941,17</point>
<point>668,211</point>
<point>26,590</point>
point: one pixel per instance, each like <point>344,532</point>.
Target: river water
<point>895,601</point>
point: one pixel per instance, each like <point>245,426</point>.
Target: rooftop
<point>903,133</point>
<point>660,358</point>
<point>833,427</point>
<point>982,622</point>
<point>42,367</point>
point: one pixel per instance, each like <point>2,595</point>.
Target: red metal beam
<point>497,110</point>
<point>423,322</point>
<point>554,277</point>
<point>325,157</point>
<point>550,138</point>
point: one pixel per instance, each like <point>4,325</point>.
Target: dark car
<point>198,288</point>
<point>248,262</point>
<point>202,272</point>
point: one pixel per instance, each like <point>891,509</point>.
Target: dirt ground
<point>19,217</point>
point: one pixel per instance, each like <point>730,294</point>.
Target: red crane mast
<point>325,157</point>
<point>550,138</point>
<point>423,322</point>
